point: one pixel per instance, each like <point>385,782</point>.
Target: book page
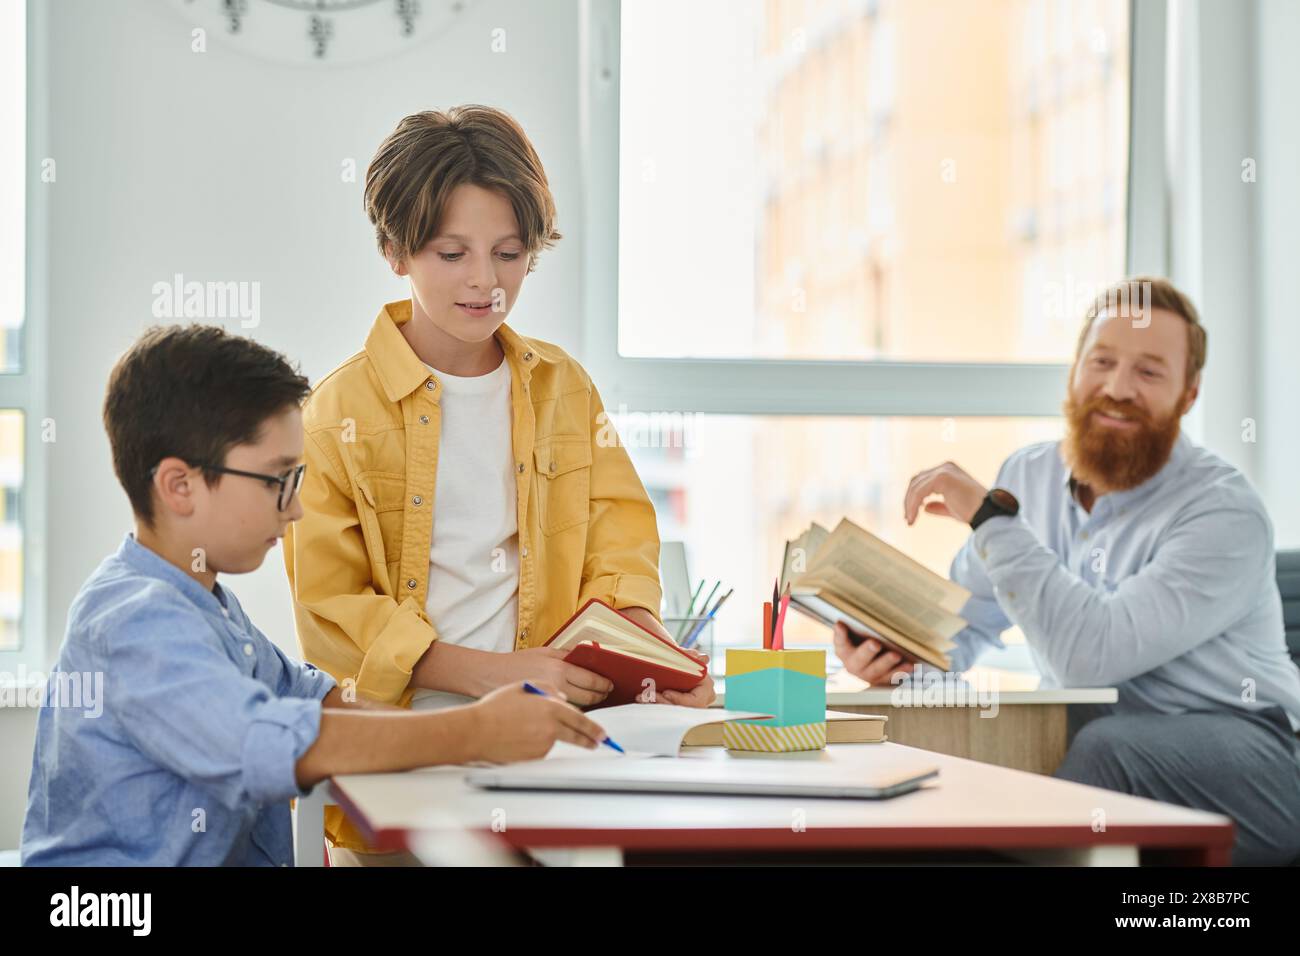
<point>616,638</point>
<point>693,669</point>
<point>801,553</point>
<point>613,632</point>
<point>650,729</point>
<point>824,608</point>
<point>881,579</point>
<point>880,595</point>
<point>849,542</point>
<point>563,750</point>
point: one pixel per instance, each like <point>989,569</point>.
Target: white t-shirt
<point>474,555</point>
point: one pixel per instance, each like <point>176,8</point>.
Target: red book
<point>614,646</point>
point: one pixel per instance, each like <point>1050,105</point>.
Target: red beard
<point>1115,459</point>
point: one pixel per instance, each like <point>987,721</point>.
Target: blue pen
<point>533,689</point>
<point>695,632</point>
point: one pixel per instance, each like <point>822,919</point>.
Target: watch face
<point>1005,500</point>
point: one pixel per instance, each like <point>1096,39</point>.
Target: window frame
<point>25,391</point>
<point>828,387</point>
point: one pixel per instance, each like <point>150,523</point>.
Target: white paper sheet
<point>648,730</point>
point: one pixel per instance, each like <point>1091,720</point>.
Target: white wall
<point>1233,241</point>
<point>224,167</point>
<point>1277,80</point>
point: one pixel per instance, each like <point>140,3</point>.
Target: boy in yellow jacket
<point>463,497</point>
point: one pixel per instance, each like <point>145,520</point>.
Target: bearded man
<point>1131,557</point>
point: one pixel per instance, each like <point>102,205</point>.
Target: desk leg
<point>309,828</point>
<point>578,856</point>
<point>1080,856</point>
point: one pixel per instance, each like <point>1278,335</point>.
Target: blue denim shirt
<point>1166,591</point>
<point>187,757</point>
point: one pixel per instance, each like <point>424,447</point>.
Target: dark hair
<point>192,391</point>
<point>429,154</point>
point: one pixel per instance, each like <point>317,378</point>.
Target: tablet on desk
<point>733,777</point>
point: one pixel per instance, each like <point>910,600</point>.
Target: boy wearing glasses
<point>190,731</point>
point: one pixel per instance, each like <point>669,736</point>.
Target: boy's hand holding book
<point>631,648</point>
<point>703,694</point>
<point>484,671</point>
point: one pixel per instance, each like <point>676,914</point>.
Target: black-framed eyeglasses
<point>288,483</point>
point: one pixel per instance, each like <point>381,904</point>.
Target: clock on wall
<point>322,31</point>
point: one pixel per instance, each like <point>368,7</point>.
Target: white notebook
<point>649,730</point>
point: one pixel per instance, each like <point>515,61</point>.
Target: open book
<point>662,730</point>
<point>841,728</point>
<point>653,730</point>
<point>850,575</point>
<point>615,647</point>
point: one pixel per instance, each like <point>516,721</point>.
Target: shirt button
<point>417,500</point>
<point>528,356</point>
<point>424,419</point>
<point>431,385</point>
<point>552,466</point>
<point>524,551</point>
<point>248,650</point>
<point>1011,595</point>
<point>523,635</point>
<point>521,468</point>
<point>410,585</point>
<point>1083,535</point>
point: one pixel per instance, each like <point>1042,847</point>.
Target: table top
<point>971,805</point>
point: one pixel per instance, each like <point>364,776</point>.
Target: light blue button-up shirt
<point>1166,591</point>
<point>188,758</point>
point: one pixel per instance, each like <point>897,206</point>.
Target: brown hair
<point>194,392</point>
<point>429,154</point>
<point>1141,294</point>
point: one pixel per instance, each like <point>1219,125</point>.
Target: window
<point>13,180</point>
<point>915,180</point>
<point>21,465</point>
<point>11,530</point>
<point>844,240</point>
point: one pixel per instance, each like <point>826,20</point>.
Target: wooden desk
<point>972,807</point>
<point>1027,731</point>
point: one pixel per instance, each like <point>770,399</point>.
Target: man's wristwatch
<point>999,501</point>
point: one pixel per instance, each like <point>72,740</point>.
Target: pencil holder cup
<point>788,684</point>
<point>699,631</point>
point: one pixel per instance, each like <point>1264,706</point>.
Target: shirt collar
<point>1177,455</point>
<point>149,562</point>
<point>400,370</point>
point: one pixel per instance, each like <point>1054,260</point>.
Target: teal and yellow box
<point>789,684</point>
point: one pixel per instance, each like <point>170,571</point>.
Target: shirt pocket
<point>563,468</point>
<point>385,496</point>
